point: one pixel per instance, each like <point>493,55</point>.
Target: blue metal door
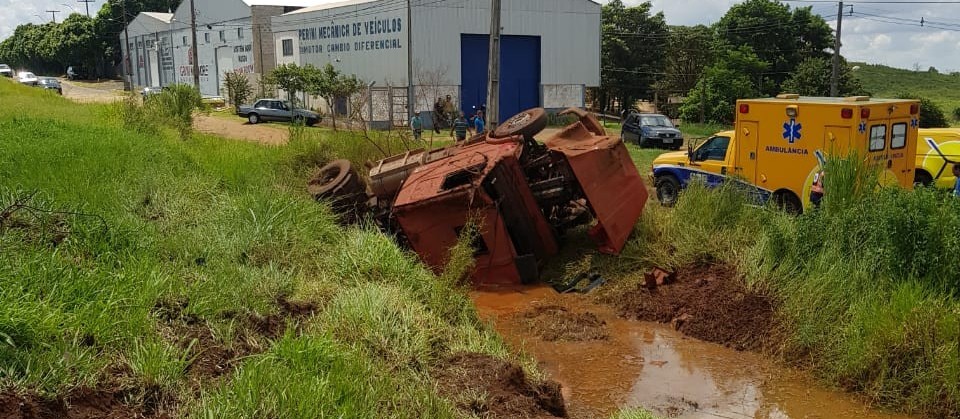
<point>519,73</point>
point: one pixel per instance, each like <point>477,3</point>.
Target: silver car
<point>276,110</point>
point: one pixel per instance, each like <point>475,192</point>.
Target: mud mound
<point>80,404</point>
<point>557,323</point>
<point>708,303</point>
<point>487,387</point>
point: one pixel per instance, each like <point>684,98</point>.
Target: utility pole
<point>193,31</point>
<point>493,72</point>
<point>54,14</point>
<point>411,100</point>
<point>835,77</point>
<point>87,3</point>
<point>126,47</point>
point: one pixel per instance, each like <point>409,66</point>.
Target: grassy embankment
<point>866,289</point>
<point>197,278</point>
<point>883,81</point>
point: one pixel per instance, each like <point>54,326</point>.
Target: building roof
<point>329,4</point>
<point>163,17</point>
<point>291,3</point>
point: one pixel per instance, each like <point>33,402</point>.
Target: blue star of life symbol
<point>915,122</point>
<point>863,127</point>
<point>791,130</point>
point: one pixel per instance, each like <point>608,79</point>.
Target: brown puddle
<point>642,364</point>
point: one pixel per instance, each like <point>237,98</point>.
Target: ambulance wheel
<point>922,178</point>
<point>788,202</point>
<point>668,190</point>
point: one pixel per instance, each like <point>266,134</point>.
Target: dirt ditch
<point>487,387</point>
<point>708,303</point>
<point>80,404</point>
<point>554,322</point>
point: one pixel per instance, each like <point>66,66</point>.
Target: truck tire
<point>336,179</point>
<point>253,119</point>
<point>668,190</point>
<point>527,123</point>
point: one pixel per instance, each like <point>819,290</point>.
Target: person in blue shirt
<point>416,124</point>
<point>460,128</point>
<point>478,122</point>
<point>956,183</point>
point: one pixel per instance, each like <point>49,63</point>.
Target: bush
<point>238,87</point>
<point>956,114</point>
<point>176,105</point>
<point>931,114</point>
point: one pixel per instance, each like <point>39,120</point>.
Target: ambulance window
<point>898,136</point>
<point>878,137</point>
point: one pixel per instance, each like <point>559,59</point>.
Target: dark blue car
<point>651,130</point>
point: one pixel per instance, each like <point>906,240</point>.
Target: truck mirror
<point>690,152</point>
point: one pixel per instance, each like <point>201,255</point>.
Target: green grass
<point>883,81</point>
<point>120,225</point>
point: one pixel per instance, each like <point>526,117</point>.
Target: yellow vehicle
<point>779,146</point>
<point>938,149</point>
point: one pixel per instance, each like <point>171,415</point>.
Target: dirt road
<point>238,128</point>
<point>93,92</point>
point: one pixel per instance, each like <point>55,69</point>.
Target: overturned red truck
<point>525,193</point>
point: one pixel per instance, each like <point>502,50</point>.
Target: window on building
<point>223,36</point>
<point>184,40</point>
<point>206,37</point>
<point>287,47</point>
<point>239,33</point>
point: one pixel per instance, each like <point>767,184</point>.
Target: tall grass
<point>102,229</point>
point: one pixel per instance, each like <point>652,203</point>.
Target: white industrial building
<point>232,35</point>
<point>550,51</point>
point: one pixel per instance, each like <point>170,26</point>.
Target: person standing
<point>816,189</point>
<point>438,117</point>
<point>416,124</point>
<point>460,128</point>
<point>449,110</point>
<point>478,122</point>
<point>956,183</point>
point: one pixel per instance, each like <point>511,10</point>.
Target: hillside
<point>880,80</point>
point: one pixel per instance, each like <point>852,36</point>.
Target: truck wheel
<point>253,118</point>
<point>922,178</point>
<point>668,190</point>
<point>527,123</point>
<point>334,180</point>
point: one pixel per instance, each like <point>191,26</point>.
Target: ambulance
<point>779,147</point>
<point>938,149</point>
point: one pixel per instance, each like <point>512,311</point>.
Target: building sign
<point>367,35</point>
<point>242,62</point>
<point>166,57</point>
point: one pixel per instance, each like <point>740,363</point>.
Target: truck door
<point>745,151</point>
<point>903,148</point>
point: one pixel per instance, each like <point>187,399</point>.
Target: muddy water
<point>651,365</point>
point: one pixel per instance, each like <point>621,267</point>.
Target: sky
<point>877,33</point>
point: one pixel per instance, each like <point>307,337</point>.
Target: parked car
<point>276,110</point>
<point>148,92</point>
<point>6,71</point>
<point>50,83</point>
<point>651,130</point>
<point>27,77</point>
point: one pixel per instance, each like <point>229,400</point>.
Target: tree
<point>721,84</point>
<point>632,52</point>
<point>238,87</point>
<point>778,35</point>
<point>292,78</point>
<point>689,52</point>
<point>812,78</point>
<point>931,114</point>
<point>330,84</point>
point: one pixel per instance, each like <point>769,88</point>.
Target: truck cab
<point>779,147</point>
